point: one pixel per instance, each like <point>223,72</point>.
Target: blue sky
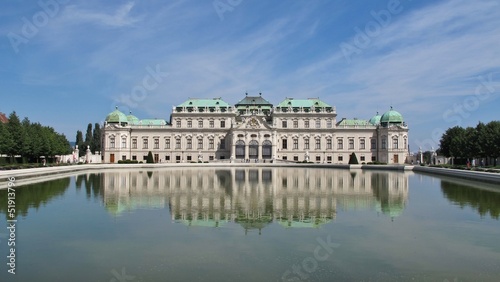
<point>66,63</point>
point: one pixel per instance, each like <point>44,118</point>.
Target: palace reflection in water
<point>255,197</point>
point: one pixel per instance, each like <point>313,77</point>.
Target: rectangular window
<point>295,124</point>
<point>306,144</point>
<point>112,142</point>
<point>384,143</point>
<point>223,144</point>
<point>124,157</point>
<point>318,144</point>
<point>134,158</point>
<point>210,158</point>
<point>189,158</point>
<point>362,158</point>
<point>374,159</point>
<point>222,123</point>
<point>306,123</point>
<point>328,144</point>
<point>329,159</point>
<point>200,123</point>
<point>200,143</point>
<point>362,144</point>
<point>134,143</point>
<point>395,143</point>
<point>190,123</point>
<point>145,143</point>
<point>329,123</point>
<point>284,144</point>
<point>167,143</point>
<point>211,123</point>
<point>284,124</point>
<point>124,143</point>
<point>210,143</point>
<point>340,158</point>
<point>178,123</point>
<point>296,158</point>
<point>144,158</point>
<point>157,143</point>
<point>373,144</point>
<point>295,144</point>
<point>318,123</point>
<point>318,158</point>
<point>177,143</point>
<point>351,144</point>
<point>167,158</point>
<point>340,144</point>
<point>189,144</point>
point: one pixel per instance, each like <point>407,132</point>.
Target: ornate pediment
<point>254,122</point>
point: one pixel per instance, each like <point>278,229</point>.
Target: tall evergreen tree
<point>16,132</point>
<point>79,142</point>
<point>96,139</point>
<point>6,141</point>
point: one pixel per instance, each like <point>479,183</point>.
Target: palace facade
<point>254,130</point>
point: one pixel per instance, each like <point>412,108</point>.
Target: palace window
<point>200,143</point>
<point>340,158</point>
<point>157,143</point>
<point>178,123</point>
<point>200,123</point>
<point>395,143</point>
<point>328,144</point>
<point>190,124</point>
<point>223,144</point>
<point>222,123</point>
<point>306,144</point>
<point>362,158</point>
<point>318,123</point>
<point>284,144</point>
<point>134,143</point>
<point>210,143</point>
<point>112,142</point>
<point>329,123</point>
<point>384,143</point>
<point>189,143</point>
<point>351,144</point>
<point>306,123</point>
<point>295,124</point>
<point>145,143</point>
<point>211,124</point>
<point>340,144</point>
<point>373,143</point>
<point>284,124</point>
<point>295,144</point>
<point>167,143</point>
<point>124,142</point>
<point>178,143</point>
<point>318,144</point>
<point>362,144</point>
<point>405,143</point>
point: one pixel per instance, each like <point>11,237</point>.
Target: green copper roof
<point>353,122</point>
<point>303,103</point>
<point>132,119</point>
<point>391,116</point>
<point>116,117</point>
<point>253,101</point>
<point>154,122</point>
<point>194,102</point>
<point>375,119</point>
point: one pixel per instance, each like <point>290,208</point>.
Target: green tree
<point>88,136</point>
<point>150,159</point>
<point>96,139</point>
<point>490,140</point>
<point>452,142</point>
<point>17,135</point>
<point>353,159</point>
<point>79,142</point>
<point>6,141</point>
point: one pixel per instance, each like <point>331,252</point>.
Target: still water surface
<point>248,224</point>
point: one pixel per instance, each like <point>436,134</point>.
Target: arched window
<point>253,149</point>
<point>240,149</point>
<point>267,149</point>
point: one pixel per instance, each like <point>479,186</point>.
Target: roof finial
<point>246,93</point>
<point>116,107</point>
<point>260,93</point>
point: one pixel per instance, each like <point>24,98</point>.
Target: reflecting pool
<point>254,224</point>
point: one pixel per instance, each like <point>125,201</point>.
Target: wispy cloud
<point>121,17</point>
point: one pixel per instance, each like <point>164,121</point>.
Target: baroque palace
<point>254,130</point>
